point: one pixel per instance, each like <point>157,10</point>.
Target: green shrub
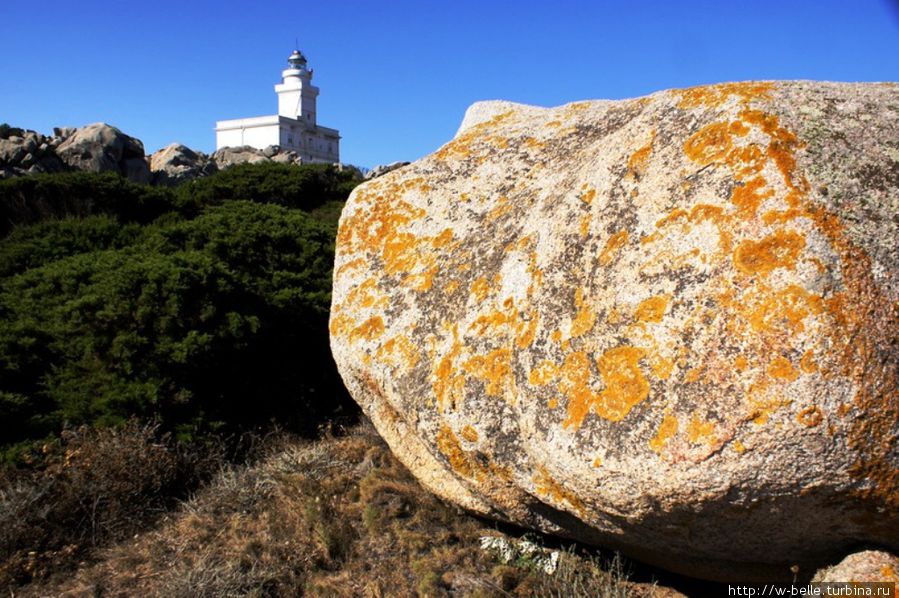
<point>217,320</point>
<point>306,187</point>
<point>186,307</point>
<point>31,199</point>
<point>44,242</point>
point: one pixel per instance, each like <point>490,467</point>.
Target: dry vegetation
<point>335,517</point>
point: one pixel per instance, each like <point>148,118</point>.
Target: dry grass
<point>335,517</point>
<point>89,489</point>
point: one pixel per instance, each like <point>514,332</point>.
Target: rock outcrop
<point>28,153</point>
<point>177,163</point>
<point>103,148</point>
<point>668,325</point>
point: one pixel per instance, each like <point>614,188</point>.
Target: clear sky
<point>396,77</point>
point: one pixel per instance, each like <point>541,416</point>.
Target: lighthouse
<point>295,127</point>
<point>296,94</point>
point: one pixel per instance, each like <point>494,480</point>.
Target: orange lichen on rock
<point>341,324</point>
<point>442,239</point>
<point>468,433</point>
<point>398,351</point>
<point>661,367</point>
<point>652,309</point>
<point>575,385</point>
<point>778,250</point>
<point>479,289</point>
<point>667,430</point>
<point>585,318</point>
<point>351,265</point>
<point>493,369</point>
<point>673,216</point>
<point>713,142</point>
<point>584,227</point>
<point>700,431</point>
<point>785,310</point>
<point>587,194</point>
<point>612,246</point>
<point>503,206</point>
<point>366,294</point>
<point>625,384</point>
<point>546,486</point>
<point>810,416</point>
<point>781,216</point>
<point>713,96</point>
<point>543,374</point>
<point>460,462</point>
<point>782,369</point>
<point>369,330</point>
<point>461,146</point>
<point>448,384</point>
<point>638,161</point>
<point>749,196</point>
<point>526,330</point>
<point>807,363</point>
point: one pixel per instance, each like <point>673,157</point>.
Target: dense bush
<point>32,199</point>
<point>33,246</point>
<point>306,188</point>
<point>202,322</point>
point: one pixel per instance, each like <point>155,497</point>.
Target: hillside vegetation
<point>172,422</point>
<point>202,308</point>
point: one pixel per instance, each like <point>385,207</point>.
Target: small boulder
<point>176,163</point>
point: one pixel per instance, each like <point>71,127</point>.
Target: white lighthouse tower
<point>294,127</point>
<point>296,94</point>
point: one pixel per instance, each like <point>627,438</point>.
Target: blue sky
<point>396,77</point>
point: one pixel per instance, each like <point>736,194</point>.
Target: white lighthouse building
<point>294,127</point>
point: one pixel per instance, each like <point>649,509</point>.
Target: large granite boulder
<point>103,148</point>
<point>177,163</point>
<point>668,325</point>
